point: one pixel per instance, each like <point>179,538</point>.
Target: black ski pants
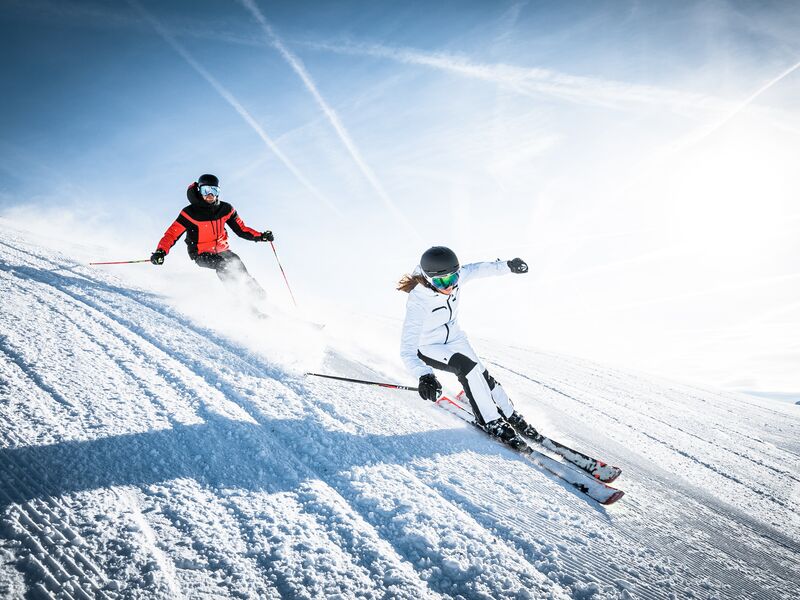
<point>487,397</point>
<point>231,272</point>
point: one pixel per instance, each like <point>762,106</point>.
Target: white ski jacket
<point>431,317</point>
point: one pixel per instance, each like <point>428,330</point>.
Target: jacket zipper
<point>446,326</point>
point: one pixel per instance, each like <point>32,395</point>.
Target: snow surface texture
<point>145,456</point>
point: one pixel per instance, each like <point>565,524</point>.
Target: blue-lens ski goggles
<point>205,190</point>
<point>446,281</point>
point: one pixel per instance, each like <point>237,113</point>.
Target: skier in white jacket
<point>432,339</point>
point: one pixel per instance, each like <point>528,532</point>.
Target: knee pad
<point>461,364</point>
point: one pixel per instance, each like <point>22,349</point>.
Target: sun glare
<point>726,198</point>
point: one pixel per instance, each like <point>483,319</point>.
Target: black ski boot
<point>518,422</point>
<point>500,429</point>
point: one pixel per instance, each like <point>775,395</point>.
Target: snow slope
<point>145,456</point>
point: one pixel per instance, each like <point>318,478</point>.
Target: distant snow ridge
<point>145,455</point>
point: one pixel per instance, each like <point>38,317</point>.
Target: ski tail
<point>583,482</point>
<point>594,467</point>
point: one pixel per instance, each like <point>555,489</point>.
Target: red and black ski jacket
<point>204,225</point>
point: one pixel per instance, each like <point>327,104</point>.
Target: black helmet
<point>208,179</point>
<point>193,191</point>
<point>439,261</point>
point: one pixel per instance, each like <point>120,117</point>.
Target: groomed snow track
<point>135,465</point>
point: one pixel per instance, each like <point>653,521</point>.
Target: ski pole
<point>283,272</point>
<point>365,382</point>
<point>121,262</point>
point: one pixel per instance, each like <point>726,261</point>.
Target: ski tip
<point>613,498</point>
<point>610,479</point>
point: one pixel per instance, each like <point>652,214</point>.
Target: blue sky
<point>641,156</point>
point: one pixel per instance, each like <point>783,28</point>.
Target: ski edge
<point>609,494</point>
<point>558,448</point>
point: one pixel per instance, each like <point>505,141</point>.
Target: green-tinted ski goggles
<point>446,281</point>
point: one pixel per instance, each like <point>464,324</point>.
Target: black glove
<point>517,265</point>
<point>429,387</point>
<point>266,237</point>
<point>157,257</point>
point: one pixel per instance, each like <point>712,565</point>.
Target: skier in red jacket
<point>203,222</point>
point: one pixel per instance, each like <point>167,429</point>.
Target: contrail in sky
<point>230,99</point>
<point>690,140</point>
<point>707,131</point>
<point>530,81</point>
<point>299,68</point>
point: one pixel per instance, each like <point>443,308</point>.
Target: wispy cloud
<point>680,146</point>
<point>531,81</point>
<point>701,134</point>
<point>508,20</point>
<point>297,66</point>
<point>231,99</point>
